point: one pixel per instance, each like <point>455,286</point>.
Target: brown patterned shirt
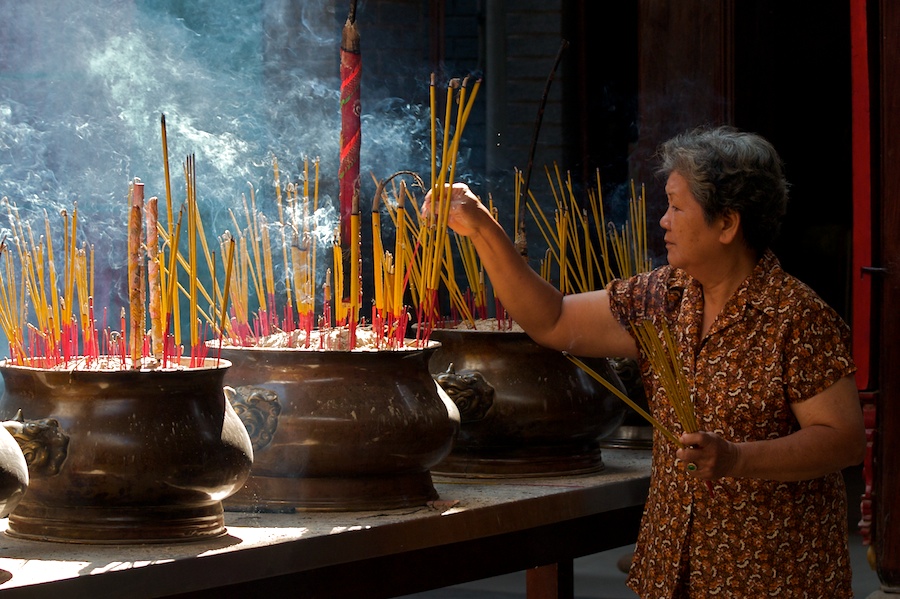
<point>775,342</point>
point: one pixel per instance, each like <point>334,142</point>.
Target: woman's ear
<point>731,226</point>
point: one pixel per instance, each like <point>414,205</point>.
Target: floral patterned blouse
<point>775,342</point>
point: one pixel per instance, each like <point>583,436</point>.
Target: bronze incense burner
<point>125,456</point>
<point>525,410</point>
<point>339,430</point>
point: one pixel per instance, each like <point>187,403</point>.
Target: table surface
<point>259,546</point>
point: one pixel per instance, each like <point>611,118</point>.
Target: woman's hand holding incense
<point>466,212</point>
<point>712,456</point>
<point>831,437</point>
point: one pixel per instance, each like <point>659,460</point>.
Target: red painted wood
<point>861,282</point>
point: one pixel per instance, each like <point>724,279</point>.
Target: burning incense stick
<point>153,276</point>
<point>165,152</point>
<point>521,244</point>
<point>338,281</point>
<point>135,235</point>
<point>378,259</point>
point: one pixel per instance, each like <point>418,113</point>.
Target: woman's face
<point>690,240</point>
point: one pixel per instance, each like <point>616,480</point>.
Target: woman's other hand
<point>707,455</point>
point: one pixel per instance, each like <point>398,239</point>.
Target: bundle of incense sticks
<point>473,304</point>
<point>29,286</point>
<point>660,348</point>
<point>661,351</point>
<point>630,402</point>
<point>393,270</point>
<point>297,205</point>
<point>65,331</point>
<point>249,288</point>
<point>423,259</point>
<point>199,320</point>
<point>583,261</point>
<point>251,316</point>
<point>433,238</point>
<point>628,244</point>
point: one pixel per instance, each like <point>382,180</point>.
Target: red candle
<point>351,72</point>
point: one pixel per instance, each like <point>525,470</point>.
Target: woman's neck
<point>722,280</point>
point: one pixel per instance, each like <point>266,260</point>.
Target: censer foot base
<point>362,493</point>
<point>117,525</point>
<point>630,437</point>
<point>519,463</point>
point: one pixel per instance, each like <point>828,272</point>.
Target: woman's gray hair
<point>731,170</point>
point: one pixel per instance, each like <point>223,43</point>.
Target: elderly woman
<point>754,505</point>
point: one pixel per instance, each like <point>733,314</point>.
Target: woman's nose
<point>664,220</point>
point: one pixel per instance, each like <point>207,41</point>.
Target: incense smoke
<point>82,91</point>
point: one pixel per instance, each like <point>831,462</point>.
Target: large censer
<point>124,456</point>
<point>339,430</point>
<point>525,410</point>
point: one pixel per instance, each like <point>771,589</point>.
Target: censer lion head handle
<point>258,408</point>
<point>42,442</point>
<point>469,390</point>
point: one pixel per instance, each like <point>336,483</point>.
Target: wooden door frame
<point>885,23</point>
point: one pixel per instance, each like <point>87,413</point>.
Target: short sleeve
<point>646,295</point>
<point>817,350</point>
<point>624,296</point>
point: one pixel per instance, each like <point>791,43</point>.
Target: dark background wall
<point>637,72</point>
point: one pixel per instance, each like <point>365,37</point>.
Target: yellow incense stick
<point>354,265</point>
<point>282,225</point>
<point>229,263</point>
<point>377,261</point>
<point>165,151</point>
<point>432,99</point>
